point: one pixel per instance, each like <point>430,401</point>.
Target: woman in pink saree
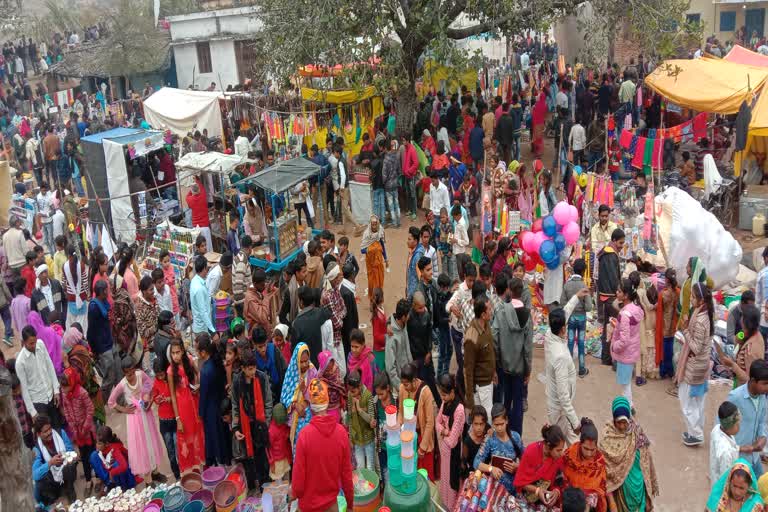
<point>539,116</point>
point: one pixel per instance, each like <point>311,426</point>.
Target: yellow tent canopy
<point>707,85</point>
<point>337,97</point>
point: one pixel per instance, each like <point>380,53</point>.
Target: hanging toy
<point>611,126</point>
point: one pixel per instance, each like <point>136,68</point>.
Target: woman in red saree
<point>539,477</point>
<point>584,467</point>
<point>539,116</point>
<point>469,123</point>
<point>183,381</point>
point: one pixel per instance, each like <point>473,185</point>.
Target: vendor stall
<point>286,238</point>
<point>183,111</point>
<point>107,156</point>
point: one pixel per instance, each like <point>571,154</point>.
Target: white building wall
<point>223,64</point>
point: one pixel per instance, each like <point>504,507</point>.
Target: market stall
<point>214,170</point>
<point>286,237</point>
<point>107,156</point>
<point>183,111</point>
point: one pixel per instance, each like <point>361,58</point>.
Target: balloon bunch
<point>549,236</point>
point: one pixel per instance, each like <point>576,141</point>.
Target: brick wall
<point>625,48</point>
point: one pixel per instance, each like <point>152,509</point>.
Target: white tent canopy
<point>211,161</point>
<point>183,111</point>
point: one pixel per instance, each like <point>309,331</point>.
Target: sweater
<point>512,330</point>
<point>699,341</point>
<point>425,413</point>
<point>572,286</point>
<point>99,332</point>
<point>479,358</point>
<point>397,352</point>
<point>609,271</point>
<point>322,464</point>
<point>625,343</point>
<point>198,203</point>
<point>360,431</point>
<point>15,246</point>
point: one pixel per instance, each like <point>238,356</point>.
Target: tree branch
<point>463,33</point>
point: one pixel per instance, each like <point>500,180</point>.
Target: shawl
<point>258,411</point>
<point>58,442</point>
<point>332,378</point>
<point>698,275</point>
<point>449,410</point>
<point>256,221</point>
<point>293,294</point>
<point>49,337</point>
<point>718,497</point>
<point>331,274</point>
<point>619,449</point>
<point>74,283</point>
<point>586,474</point>
<point>370,237</point>
<point>267,365</point>
<point>534,467</point>
<point>291,392</point>
<point>659,333</point>
<point>72,337</point>
<point>362,362</point>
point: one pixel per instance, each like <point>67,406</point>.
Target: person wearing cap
<point>15,245</point>
<point>215,274</point>
<point>48,297</point>
<point>322,462</point>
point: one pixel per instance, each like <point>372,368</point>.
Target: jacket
<point>699,340</point>
<point>236,393</point>
<point>391,171</point>
<point>198,203</point>
<point>505,130</point>
<point>625,343</point>
<point>560,375</point>
<point>513,342</point>
<point>479,359</point>
<point>257,310</point>
<point>571,287</point>
<point>99,333</point>
<point>40,303</point>
<point>516,113</point>
<point>609,271</point>
<point>425,412</point>
<point>397,352</point>
<point>753,411</point>
<point>306,329</point>
<point>410,160</point>
<point>322,461</point>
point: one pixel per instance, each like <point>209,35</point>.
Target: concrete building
<point>724,17</point>
<point>214,46</point>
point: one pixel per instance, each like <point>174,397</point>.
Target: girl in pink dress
<point>449,426</point>
<point>170,279</point>
<point>183,381</point>
<point>131,397</point>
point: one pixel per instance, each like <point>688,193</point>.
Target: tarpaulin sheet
<point>183,111</point>
<point>283,175</point>
<point>211,161</point>
<point>337,97</point>
<point>360,201</point>
<point>123,220</point>
<point>741,55</point>
<point>96,182</point>
<point>707,85</point>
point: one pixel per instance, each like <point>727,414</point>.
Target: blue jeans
<point>379,203</point>
<point>577,330</point>
<point>457,338</point>
<point>393,203</point>
<point>667,368</point>
<point>446,349</point>
<point>5,313</point>
<point>516,147</point>
<point>168,431</point>
<point>514,393</point>
<point>364,456</point>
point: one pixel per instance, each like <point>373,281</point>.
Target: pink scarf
<point>362,363</point>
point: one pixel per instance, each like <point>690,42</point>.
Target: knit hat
<point>318,396</point>
<point>621,408</point>
<point>279,414</point>
<point>235,322</point>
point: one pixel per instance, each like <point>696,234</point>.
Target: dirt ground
<point>682,471</point>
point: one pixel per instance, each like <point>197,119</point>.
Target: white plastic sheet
<point>712,178</point>
<point>123,221</point>
<point>686,229</point>
<point>183,111</point>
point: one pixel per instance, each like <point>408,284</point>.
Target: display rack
<point>178,241</point>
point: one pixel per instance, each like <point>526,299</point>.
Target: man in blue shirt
<point>750,399</point>
<point>200,299</point>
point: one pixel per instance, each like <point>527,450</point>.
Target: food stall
<point>286,237</point>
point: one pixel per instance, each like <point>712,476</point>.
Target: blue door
<point>754,20</point>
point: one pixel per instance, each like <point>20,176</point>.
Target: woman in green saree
<point>631,475</point>
<point>736,490</point>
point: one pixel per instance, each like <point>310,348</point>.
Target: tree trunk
<point>407,102</point>
<point>15,460</point>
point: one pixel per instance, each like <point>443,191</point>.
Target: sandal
<point>640,381</point>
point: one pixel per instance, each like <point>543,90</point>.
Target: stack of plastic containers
<point>222,311</point>
<point>402,454</point>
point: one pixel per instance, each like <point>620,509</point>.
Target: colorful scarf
<point>719,496</point>
<point>49,337</point>
<point>291,393</point>
<point>586,474</point>
<point>362,363</point>
<point>332,378</point>
<point>258,412</point>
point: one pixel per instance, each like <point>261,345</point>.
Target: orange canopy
<point>741,55</point>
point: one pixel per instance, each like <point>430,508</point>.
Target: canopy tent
<point>741,55</point>
<point>183,111</point>
<point>727,83</point>
<point>210,161</point>
<point>283,175</point>
<point>109,194</point>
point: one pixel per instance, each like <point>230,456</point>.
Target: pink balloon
<point>574,213</point>
<point>536,243</point>
<point>571,233</point>
<point>526,237</point>
<point>562,213</point>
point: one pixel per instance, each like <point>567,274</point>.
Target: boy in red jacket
<point>197,201</point>
<point>323,458</point>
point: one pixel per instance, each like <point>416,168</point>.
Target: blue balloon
<point>559,242</point>
<point>549,226</point>
<point>547,251</point>
<point>552,265</point>
<point>577,169</point>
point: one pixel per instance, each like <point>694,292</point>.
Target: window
<point>693,18</point>
<point>728,21</point>
<point>204,58</point>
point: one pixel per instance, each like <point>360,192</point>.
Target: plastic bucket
<point>174,500</point>
<point>212,476</point>
<point>406,443</point>
<point>152,507</point>
<point>408,407</point>
<point>409,467</point>
<point>410,425</point>
<point>393,437</point>
<point>194,506</point>
<point>225,496</point>
<point>159,495</point>
<point>191,483</point>
<point>205,496</point>
<point>391,412</point>
<point>237,475</point>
